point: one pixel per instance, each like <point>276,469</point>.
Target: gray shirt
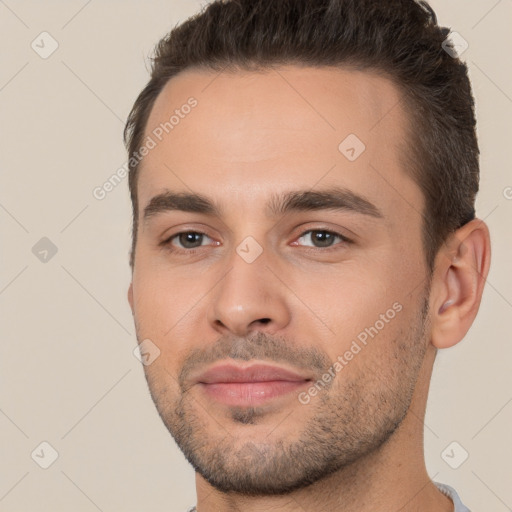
<point>445,489</point>
<point>450,492</point>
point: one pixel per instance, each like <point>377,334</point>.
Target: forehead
<point>251,133</point>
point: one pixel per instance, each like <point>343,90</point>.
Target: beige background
<point>68,374</point>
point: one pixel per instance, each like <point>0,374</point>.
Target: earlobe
<point>462,265</point>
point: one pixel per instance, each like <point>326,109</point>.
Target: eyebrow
<point>333,198</point>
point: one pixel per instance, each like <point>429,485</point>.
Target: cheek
<point>348,296</point>
<point>154,310</point>
<point>362,304</point>
<point>163,298</point>
<point>161,316</point>
<point>374,352</point>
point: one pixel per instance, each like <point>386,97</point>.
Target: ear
<point>460,271</point>
<point>130,297</point>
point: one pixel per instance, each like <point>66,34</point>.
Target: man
<point>303,177</point>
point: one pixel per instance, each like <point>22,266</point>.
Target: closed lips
<point>257,373</point>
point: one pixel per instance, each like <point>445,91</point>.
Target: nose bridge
<point>248,295</point>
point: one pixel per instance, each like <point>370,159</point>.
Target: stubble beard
<point>346,423</point>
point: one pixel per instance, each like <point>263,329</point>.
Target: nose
<point>249,297</point>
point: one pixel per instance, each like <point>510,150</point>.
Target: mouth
<point>249,386</point>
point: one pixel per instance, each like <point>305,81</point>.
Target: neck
<point>390,479</point>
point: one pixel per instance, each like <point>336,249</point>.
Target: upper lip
<point>254,373</point>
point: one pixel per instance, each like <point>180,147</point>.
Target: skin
<point>357,445</point>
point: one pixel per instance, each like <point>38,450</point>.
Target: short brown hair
<point>397,38</point>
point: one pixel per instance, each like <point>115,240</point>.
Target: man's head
<point>319,156</point>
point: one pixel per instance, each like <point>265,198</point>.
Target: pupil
<point>186,238</point>
<point>324,238</point>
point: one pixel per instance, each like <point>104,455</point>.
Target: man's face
<point>335,295</point>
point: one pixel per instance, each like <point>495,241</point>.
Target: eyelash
<point>167,244</point>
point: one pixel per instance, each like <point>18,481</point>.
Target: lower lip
<point>250,393</point>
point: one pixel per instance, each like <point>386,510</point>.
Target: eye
<point>186,240</point>
<point>321,238</point>
<point>189,241</point>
